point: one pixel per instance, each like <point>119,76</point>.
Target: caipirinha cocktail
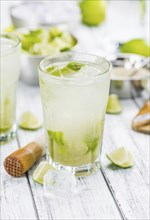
<point>74,91</point>
<point>9,75</point>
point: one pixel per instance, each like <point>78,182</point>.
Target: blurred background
<point>124,19</point>
<point>105,28</point>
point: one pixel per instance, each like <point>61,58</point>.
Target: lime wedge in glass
<point>29,121</point>
<point>113,105</point>
<point>40,171</point>
<point>121,157</point>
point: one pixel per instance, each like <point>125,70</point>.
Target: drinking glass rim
<point>73,53</point>
<point>11,36</point>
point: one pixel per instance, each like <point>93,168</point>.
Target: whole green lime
<point>93,11</point>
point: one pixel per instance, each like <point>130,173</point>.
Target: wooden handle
<point>141,121</point>
<point>23,159</point>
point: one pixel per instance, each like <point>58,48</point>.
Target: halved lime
<point>121,157</point>
<point>113,105</point>
<point>137,46</point>
<point>29,121</point>
<point>40,171</point>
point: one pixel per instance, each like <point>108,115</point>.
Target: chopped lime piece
<point>75,66</point>
<point>29,121</point>
<point>11,28</point>
<point>56,72</point>
<point>121,157</point>
<point>40,171</point>
<point>93,12</point>
<point>113,105</point>
<point>50,69</point>
<point>6,114</point>
<point>56,136</point>
<point>137,46</point>
<point>55,32</point>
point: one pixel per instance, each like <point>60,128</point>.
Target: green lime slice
<point>40,171</point>
<point>67,70</point>
<point>121,157</point>
<point>29,121</point>
<point>113,105</point>
<point>75,66</point>
<point>137,46</point>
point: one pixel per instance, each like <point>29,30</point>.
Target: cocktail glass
<point>74,97</point>
<point>10,46</point>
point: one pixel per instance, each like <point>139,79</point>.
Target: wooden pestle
<point>20,161</point>
<point>141,121</point>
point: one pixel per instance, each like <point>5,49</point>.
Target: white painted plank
<point>130,186</point>
<point>16,200</point>
<point>94,201</point>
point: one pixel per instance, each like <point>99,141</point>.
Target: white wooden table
<point>111,193</point>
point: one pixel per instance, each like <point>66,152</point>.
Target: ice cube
<point>59,183</point>
<point>87,71</point>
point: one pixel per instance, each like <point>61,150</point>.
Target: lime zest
<point>40,171</point>
<point>29,121</point>
<point>121,157</point>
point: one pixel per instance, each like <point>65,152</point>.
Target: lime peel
<point>121,157</point>
<point>40,171</point>
<point>29,121</point>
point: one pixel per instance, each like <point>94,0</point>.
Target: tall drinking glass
<point>9,74</point>
<point>74,91</point>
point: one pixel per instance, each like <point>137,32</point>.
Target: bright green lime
<point>40,171</point>
<point>113,105</point>
<point>137,46</point>
<point>29,121</point>
<point>93,12</point>
<point>121,157</point>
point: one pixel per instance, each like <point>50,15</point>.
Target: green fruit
<point>113,105</point>
<point>93,12</point>
<point>29,121</point>
<point>40,171</point>
<point>121,157</point>
<point>137,46</point>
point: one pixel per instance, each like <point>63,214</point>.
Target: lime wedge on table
<point>137,46</point>
<point>121,157</point>
<point>113,105</point>
<point>29,121</point>
<point>40,171</point>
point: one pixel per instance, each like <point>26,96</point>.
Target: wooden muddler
<point>20,161</point>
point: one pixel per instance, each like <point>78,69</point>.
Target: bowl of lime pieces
<point>37,43</point>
